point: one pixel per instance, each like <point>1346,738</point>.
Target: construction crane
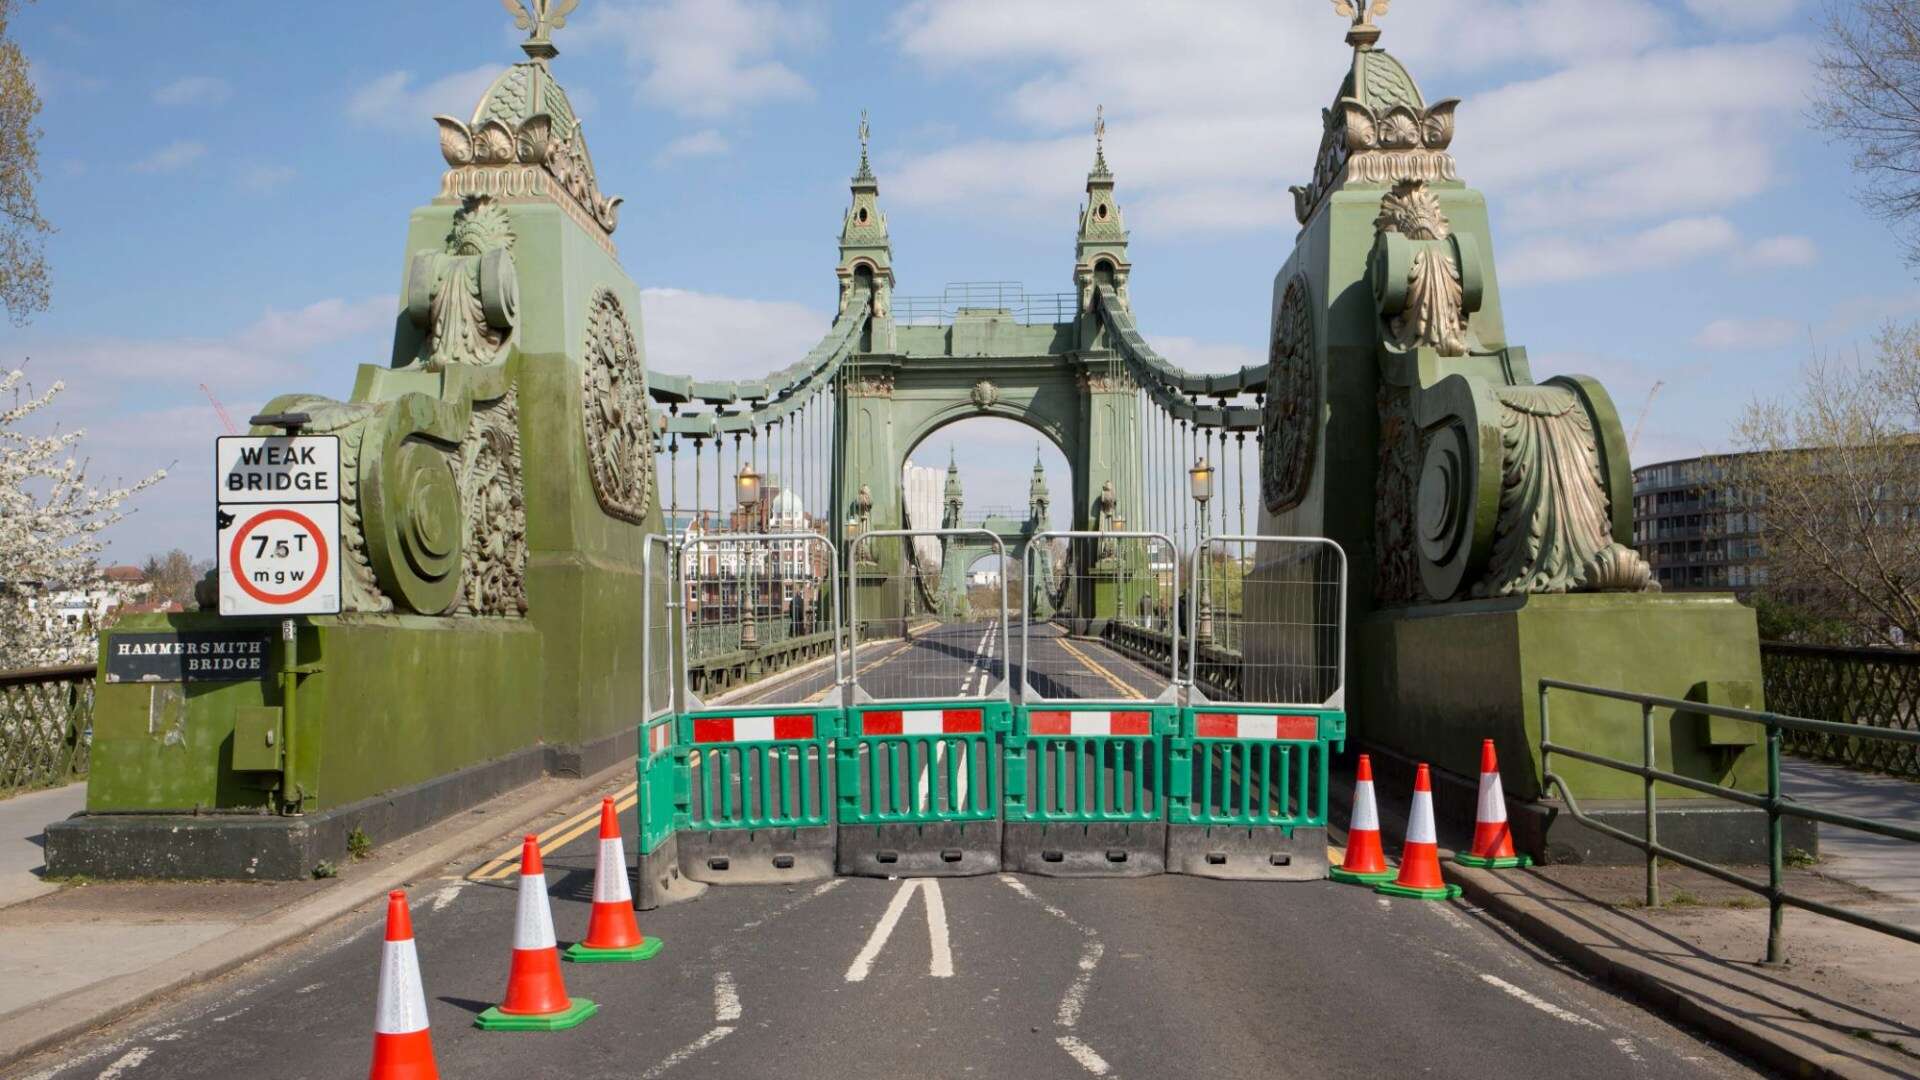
<point>1634,439</point>
<point>220,410</point>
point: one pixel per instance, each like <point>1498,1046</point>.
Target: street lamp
<point>746,487</point>
<point>1201,479</point>
<point>1119,598</point>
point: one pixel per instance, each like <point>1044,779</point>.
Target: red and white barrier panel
<point>659,737</point>
<point>718,729</point>
<point>923,722</point>
<point>1090,722</point>
<point>1213,725</point>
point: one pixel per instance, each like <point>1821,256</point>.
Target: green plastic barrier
<point>919,788</point>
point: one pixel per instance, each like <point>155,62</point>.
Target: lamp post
<point>1201,480</point>
<point>746,487</point>
<point>1120,586</point>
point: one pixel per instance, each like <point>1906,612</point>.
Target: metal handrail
<point>1773,802</point>
<point>1037,546</point>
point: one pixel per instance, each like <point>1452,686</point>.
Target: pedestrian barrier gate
<point>1266,660</point>
<point>911,741</point>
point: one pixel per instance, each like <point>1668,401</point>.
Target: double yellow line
<point>507,863</point>
<point>1094,666</point>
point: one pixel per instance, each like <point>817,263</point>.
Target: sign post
<point>279,524</point>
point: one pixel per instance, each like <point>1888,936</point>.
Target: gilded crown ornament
<point>1363,31</point>
<point>540,18</point>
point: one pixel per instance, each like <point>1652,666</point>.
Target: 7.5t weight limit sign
<point>279,525</point>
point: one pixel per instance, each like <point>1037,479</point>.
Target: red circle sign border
<point>278,514</point>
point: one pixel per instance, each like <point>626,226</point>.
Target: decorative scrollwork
<point>1291,421</point>
<point>619,425</point>
<point>494,575</point>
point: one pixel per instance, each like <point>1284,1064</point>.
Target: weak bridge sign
<point>278,524</point>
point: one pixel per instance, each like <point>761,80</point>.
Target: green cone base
<point>1445,892</point>
<point>1353,877</point>
<point>1505,862</point>
<point>576,1014</point>
<point>580,954</point>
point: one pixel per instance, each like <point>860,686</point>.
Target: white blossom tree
<point>51,518</point>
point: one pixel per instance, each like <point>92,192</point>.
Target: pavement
<point>23,822</point>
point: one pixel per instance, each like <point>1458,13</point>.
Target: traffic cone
<point>1366,863</point>
<point>1492,839</point>
<point>536,998</point>
<point>1420,857</point>
<point>402,1047</point>
<point>612,934</point>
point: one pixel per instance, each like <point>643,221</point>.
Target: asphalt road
<point>987,976</point>
<point>969,659</point>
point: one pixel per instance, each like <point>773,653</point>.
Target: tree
<point>1834,475</point>
<point>23,232</point>
<point>173,576</point>
<point>51,518</point>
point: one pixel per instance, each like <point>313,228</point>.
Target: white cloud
<point>708,143</point>
<point>1748,333</point>
<point>725,337</point>
<point>172,157</point>
<point>1755,13</point>
<point>260,353</point>
<point>1208,355</point>
<point>261,179</point>
<point>710,57</point>
<point>1211,119</point>
<point>394,102</point>
<point>1780,251</point>
<point>193,90</point>
<point>1568,259</point>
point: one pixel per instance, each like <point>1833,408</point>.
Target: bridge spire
<point>1100,247</point>
<point>866,252</point>
<point>955,500</point>
<point>1037,498</point>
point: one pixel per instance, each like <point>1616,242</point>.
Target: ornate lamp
<point>1200,477</point>
<point>746,487</point>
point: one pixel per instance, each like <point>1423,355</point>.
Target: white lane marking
<point>726,997</point>
<point>1383,901</point>
<point>882,930</point>
<point>940,966</point>
<point>1445,911</point>
<point>820,890</point>
<point>1076,996</point>
<point>826,887</point>
<point>1074,1001</point>
<point>940,961</point>
<point>1547,1007</point>
<point>687,1051</point>
<point>447,896</point>
<point>310,988</point>
<point>1625,1046</point>
<point>128,1061</point>
<point>1085,1055</point>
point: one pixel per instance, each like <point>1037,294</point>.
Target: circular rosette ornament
<point>1290,421</point>
<point>414,523</point>
<point>619,426</point>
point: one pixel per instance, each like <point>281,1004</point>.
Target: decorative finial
<point>1363,33</point>
<point>540,18</point>
<point>866,170</point>
<point>1100,138</point>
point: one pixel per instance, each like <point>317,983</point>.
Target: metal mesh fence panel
<point>1079,588</point>
<point>1265,620</point>
<point>755,604</point>
<point>918,631</point>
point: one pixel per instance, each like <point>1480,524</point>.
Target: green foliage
<point>325,870</point>
<point>23,232</point>
<point>1796,857</point>
<point>359,844</point>
<point>1782,620</point>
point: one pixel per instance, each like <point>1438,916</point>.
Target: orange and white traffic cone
<point>536,997</point>
<point>1492,839</point>
<point>613,935</point>
<point>1420,857</point>
<point>1365,862</point>
<point>402,1046</point>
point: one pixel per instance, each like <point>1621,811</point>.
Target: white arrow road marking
<point>129,1061</point>
<point>940,966</point>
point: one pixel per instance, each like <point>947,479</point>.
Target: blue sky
<point>231,183</point>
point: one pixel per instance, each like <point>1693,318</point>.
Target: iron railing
<point>1028,309</point>
<point>46,725</point>
<point>1876,688</point>
<point>1773,802</point>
